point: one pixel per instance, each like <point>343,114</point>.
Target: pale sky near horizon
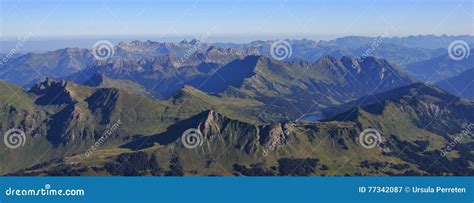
<point>234,18</point>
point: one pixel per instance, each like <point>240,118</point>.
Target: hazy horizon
<point>164,18</point>
<point>38,45</point>
<point>57,24</point>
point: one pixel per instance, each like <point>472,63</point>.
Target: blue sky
<point>234,18</point>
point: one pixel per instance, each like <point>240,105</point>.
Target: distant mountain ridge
<point>280,85</point>
<point>61,63</point>
<point>461,85</point>
<point>441,67</point>
<point>30,68</point>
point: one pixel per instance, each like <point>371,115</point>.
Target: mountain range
<point>61,63</point>
<point>287,87</point>
<point>415,122</point>
<point>460,85</point>
<point>248,113</point>
<point>439,68</point>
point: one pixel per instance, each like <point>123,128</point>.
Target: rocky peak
<point>137,43</point>
<point>372,62</point>
<point>51,92</point>
<point>193,42</point>
<point>253,51</point>
<point>273,136</point>
<point>350,62</point>
<point>212,123</point>
<point>48,83</point>
<point>214,49</point>
<point>327,61</point>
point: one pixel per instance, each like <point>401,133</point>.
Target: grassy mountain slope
<point>415,123</point>
<point>296,88</point>
<point>61,118</point>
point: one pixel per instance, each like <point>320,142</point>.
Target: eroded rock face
<point>51,92</point>
<point>68,126</point>
<point>219,130</point>
<point>274,136</point>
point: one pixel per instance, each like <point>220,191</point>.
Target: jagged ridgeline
<point>250,113</point>
<point>416,123</point>
<point>288,88</point>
